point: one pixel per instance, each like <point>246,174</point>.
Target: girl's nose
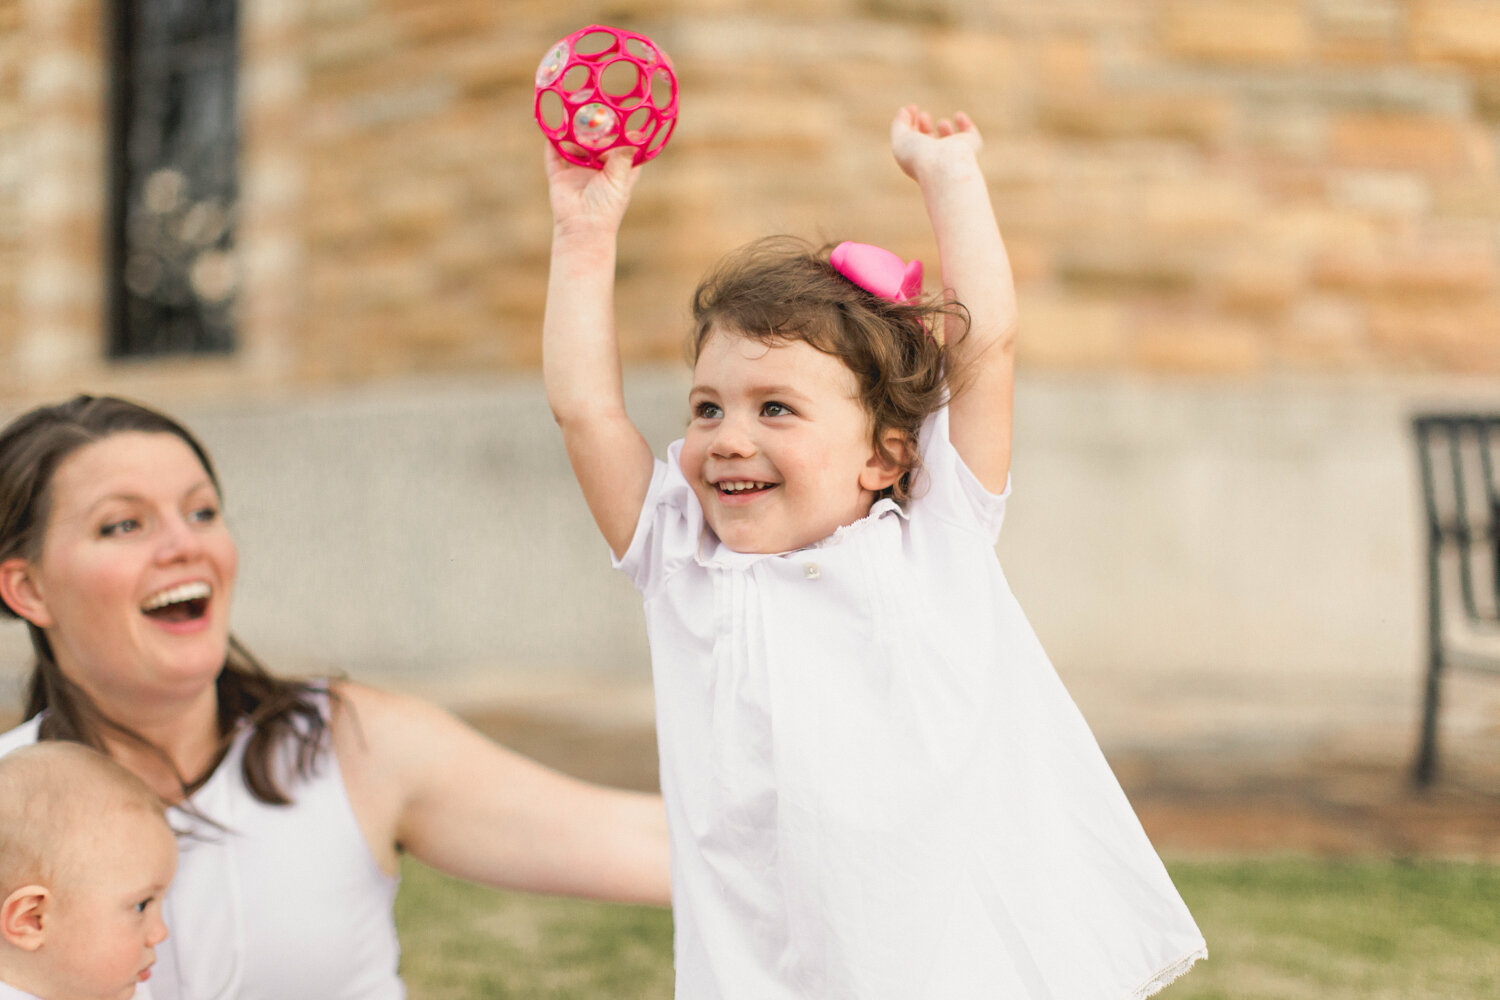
<point>158,932</point>
<point>732,439</point>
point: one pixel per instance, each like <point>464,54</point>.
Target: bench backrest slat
<point>1460,492</point>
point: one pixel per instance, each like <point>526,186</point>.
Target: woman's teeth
<point>198,591</point>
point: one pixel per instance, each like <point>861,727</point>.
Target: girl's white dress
<point>876,784</point>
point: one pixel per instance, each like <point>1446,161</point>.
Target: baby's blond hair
<point>54,797</point>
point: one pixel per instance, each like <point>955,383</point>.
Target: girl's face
<point>778,450</point>
<point>136,571</point>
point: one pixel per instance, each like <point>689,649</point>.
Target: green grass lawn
<point>1277,930</point>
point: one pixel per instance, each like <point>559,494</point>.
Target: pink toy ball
<point>601,88</point>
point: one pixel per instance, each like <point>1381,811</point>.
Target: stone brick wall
<point>51,190</point>
<point>12,170</point>
<point>1206,186</point>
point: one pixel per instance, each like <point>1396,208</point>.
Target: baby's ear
<point>21,917</point>
<point>880,473</point>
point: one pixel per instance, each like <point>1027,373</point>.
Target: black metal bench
<point>1459,455</point>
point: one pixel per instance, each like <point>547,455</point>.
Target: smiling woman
<point>114,552</point>
<point>127,502</point>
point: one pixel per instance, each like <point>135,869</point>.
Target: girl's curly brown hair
<point>781,288</point>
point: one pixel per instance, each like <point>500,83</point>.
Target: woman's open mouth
<point>183,603</point>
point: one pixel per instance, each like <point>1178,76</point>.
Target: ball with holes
<point>601,88</point>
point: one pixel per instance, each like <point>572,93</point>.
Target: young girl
<point>876,784</point>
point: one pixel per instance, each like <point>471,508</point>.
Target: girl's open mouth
<point>741,488</point>
<point>184,603</point>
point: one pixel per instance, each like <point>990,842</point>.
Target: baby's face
<point>778,451</point>
<point>107,922</point>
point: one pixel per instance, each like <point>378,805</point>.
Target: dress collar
<point>713,553</point>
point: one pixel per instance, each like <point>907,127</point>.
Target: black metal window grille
<point>174,146</point>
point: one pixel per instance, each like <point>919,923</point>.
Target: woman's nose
<point>178,539</point>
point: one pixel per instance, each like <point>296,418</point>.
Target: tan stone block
<point>1195,344</point>
<point>415,208</point>
<point>1194,207</point>
<point>1128,266</point>
<point>1231,31</point>
<point>1463,30</point>
<point>425,23</point>
<point>1071,333</point>
<point>1380,194</point>
<point>1362,32</point>
<point>1070,65</point>
<point>1200,117</point>
<point>1476,198</point>
<point>1442,266</point>
<point>1437,335</point>
<point>1257,280</point>
<point>1397,142</point>
<point>348,49</point>
<point>1323,332</point>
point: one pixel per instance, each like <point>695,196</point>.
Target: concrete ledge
<point>428,534</point>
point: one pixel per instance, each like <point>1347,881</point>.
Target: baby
<point>86,856</point>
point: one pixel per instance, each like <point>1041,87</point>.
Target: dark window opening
<point>174,147</point>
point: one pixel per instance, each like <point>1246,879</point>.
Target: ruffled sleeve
<point>669,530</point>
<point>946,488</point>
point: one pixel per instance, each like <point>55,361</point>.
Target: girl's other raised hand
<point>586,198</point>
<point>920,143</point>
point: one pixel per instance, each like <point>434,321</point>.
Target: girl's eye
<point>776,410</point>
<point>141,906</point>
<point>121,527</point>
<point>707,411</point>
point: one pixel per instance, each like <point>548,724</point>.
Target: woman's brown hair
<point>280,711</point>
<point>782,289</point>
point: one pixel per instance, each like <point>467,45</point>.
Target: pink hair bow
<point>877,270</point>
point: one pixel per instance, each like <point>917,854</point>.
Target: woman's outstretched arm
<point>423,782</point>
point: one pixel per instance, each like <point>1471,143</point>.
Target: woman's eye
<point>121,527</point>
<point>776,410</point>
<point>204,515</point>
<point>707,411</point>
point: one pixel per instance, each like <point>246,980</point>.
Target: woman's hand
<point>921,145</point>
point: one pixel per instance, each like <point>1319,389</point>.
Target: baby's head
<point>808,395</point>
<point>85,857</point>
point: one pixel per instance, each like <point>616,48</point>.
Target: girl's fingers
<point>920,121</point>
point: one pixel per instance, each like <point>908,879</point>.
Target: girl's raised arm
<point>580,352</point>
<point>942,158</point>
